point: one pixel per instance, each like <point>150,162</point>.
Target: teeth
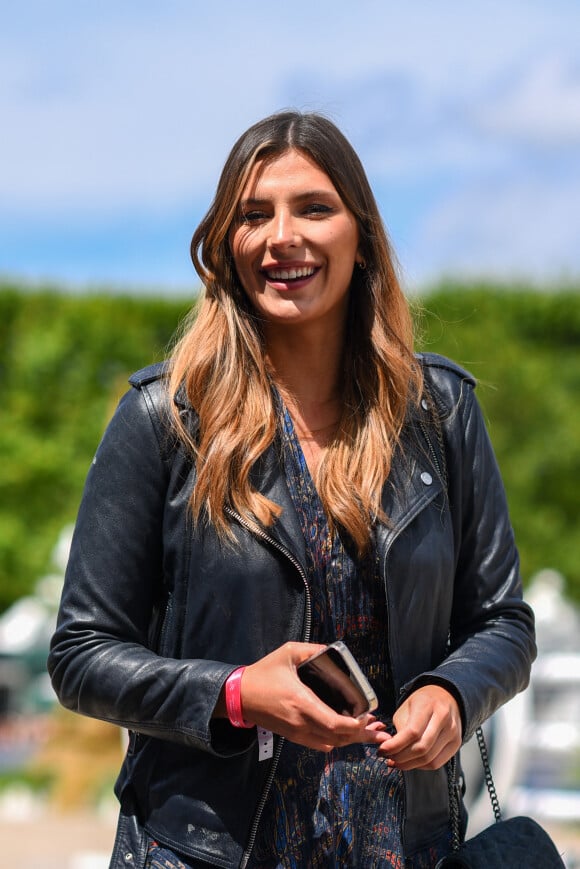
<point>290,274</point>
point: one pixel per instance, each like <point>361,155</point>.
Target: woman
<point>294,475</point>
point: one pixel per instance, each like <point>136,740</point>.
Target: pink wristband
<point>234,699</point>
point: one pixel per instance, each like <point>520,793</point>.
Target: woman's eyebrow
<point>253,200</point>
<point>298,197</point>
<point>318,194</point>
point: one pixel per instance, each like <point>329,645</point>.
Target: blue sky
<point>117,117</point>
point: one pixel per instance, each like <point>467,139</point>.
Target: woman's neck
<point>306,369</point>
<point>307,374</point>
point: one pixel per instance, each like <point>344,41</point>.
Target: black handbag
<point>518,843</point>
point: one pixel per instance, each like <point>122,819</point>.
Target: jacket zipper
<point>432,451</point>
<point>305,638</point>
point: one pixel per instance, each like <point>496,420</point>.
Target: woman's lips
<point>290,277</point>
<point>289,274</point>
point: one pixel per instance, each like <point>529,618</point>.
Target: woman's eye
<point>252,216</point>
<point>317,208</point>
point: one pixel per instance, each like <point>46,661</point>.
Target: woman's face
<point>294,243</point>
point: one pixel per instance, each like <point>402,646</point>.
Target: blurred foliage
<point>79,761</point>
<point>65,359</point>
<point>73,763</point>
<point>64,362</point>
<point>39,781</point>
<point>524,349</point>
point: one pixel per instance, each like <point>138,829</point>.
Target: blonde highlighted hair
<point>220,358</point>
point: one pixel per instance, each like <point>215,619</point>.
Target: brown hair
<point>220,358</point>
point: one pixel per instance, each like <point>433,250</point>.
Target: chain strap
<point>454,803</point>
<point>489,782</point>
<point>454,785</point>
<point>455,788</point>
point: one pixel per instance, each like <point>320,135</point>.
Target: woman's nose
<point>284,229</point>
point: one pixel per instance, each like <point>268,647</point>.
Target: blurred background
<point>116,120</point>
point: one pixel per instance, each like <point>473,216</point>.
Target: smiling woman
<point>295,245</point>
<point>293,476</point>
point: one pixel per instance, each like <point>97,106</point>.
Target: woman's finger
<point>428,730</point>
<point>274,697</point>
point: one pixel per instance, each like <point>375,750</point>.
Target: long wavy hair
<point>220,359</point>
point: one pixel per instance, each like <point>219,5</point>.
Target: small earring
<point>361,264</point>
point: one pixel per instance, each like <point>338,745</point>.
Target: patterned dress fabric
<point>345,808</point>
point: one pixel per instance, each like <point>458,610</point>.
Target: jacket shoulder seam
<point>442,363</point>
<point>149,382</point>
<point>148,374</point>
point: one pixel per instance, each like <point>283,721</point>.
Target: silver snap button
<point>128,857</point>
<point>426,478</point>
<point>424,404</point>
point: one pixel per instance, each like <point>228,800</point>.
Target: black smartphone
<point>337,679</point>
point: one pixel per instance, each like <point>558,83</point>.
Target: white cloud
<point>540,106</point>
<point>131,103</point>
<point>526,227</point>
<point>131,107</point>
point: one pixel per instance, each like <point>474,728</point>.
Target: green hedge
<point>65,359</point>
<point>64,362</point>
<point>524,349</point>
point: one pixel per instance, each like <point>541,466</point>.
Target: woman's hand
<point>429,730</point>
<point>274,697</point>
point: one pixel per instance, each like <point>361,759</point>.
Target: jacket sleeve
<point>492,628</point>
<point>102,660</point>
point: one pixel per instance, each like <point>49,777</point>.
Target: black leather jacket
<point>156,613</point>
